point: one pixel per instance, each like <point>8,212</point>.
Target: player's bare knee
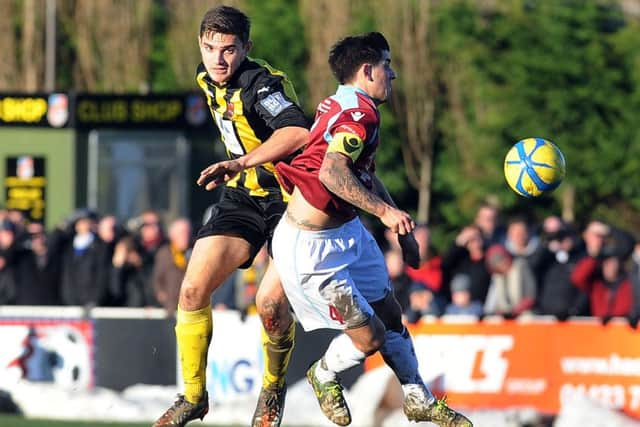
<point>193,297</point>
<point>274,314</point>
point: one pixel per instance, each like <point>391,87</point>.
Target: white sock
<point>340,356</point>
<point>419,390</point>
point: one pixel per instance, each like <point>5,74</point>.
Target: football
<point>534,166</point>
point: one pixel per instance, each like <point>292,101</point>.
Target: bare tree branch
<point>325,24</point>
<point>113,44</point>
<point>8,54</point>
<point>183,25</point>
<point>407,26</point>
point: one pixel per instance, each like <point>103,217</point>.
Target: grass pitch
<point>16,421</point>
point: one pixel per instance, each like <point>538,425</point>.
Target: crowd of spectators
<point>95,260</point>
<point>517,268</point>
<point>491,268</point>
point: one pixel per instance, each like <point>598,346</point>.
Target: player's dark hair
<point>226,20</point>
<point>348,54</point>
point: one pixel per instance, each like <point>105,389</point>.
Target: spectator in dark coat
<point>37,269</point>
<point>127,285</point>
<point>560,251</point>
<point>421,303</point>
<point>84,264</point>
<point>635,283</point>
<point>466,256</point>
<point>7,262</point>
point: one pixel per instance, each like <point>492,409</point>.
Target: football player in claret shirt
<point>260,123</point>
<point>332,269</point>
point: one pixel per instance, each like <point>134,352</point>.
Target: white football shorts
<point>330,276</point>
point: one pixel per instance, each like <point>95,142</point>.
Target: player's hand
<point>219,173</point>
<point>398,221</point>
<point>410,249</point>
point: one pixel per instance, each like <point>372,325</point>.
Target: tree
<point>407,25</point>
<point>180,48</point>
<point>112,44</point>
<point>325,24</point>
<point>8,54</point>
<point>21,46</point>
<point>558,70</point>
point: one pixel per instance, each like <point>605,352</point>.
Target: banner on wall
<point>511,364</point>
<point>235,360</point>
<point>59,351</point>
<point>89,111</point>
<point>45,110</point>
<point>25,185</point>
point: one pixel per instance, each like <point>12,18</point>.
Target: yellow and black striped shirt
<point>247,110</point>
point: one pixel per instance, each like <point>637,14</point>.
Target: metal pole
<point>50,47</point>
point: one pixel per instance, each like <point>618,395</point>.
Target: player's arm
<point>336,174</point>
<point>282,142</point>
<point>280,113</point>
<point>408,243</point>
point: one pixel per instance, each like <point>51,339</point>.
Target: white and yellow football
<point>534,166</point>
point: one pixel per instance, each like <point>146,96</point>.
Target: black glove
<point>633,320</point>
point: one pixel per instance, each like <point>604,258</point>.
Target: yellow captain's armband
<point>346,143</point>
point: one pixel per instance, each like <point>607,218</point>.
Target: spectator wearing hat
<point>513,286</point>
<point>602,274</point>
<point>84,263</point>
<point>461,302</point>
<point>421,303</point>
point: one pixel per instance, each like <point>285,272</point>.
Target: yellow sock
<point>277,352</point>
<point>193,333</point>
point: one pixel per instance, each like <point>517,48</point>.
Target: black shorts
<point>240,215</point>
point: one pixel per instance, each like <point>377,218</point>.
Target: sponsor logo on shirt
<point>357,115</point>
<point>275,103</point>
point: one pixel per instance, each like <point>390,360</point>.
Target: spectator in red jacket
<point>602,272</point>
<point>429,272</point>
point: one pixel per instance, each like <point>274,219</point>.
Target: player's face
<point>382,74</point>
<point>222,54</point>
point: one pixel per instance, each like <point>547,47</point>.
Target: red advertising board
<point>534,364</point>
